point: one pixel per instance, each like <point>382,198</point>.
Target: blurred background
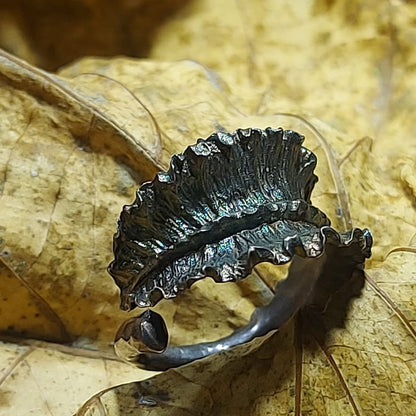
<point>50,33</point>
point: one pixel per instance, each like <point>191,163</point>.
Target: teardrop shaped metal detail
<point>225,204</point>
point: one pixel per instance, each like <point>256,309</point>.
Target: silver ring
<point>227,203</point>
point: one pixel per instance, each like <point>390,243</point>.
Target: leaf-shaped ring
<point>227,203</point>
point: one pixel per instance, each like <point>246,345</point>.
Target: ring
<point>225,204</point>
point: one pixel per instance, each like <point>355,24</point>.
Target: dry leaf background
<point>76,142</point>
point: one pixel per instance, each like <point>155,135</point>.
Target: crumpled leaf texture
<point>187,206</point>
<point>75,146</point>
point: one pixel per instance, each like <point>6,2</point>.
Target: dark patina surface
<point>227,203</point>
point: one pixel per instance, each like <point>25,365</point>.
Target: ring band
<point>309,281</point>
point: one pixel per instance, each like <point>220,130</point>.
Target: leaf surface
<point>75,146</point>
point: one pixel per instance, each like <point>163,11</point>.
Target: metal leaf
<point>227,203</point>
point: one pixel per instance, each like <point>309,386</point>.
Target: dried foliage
<point>76,144</point>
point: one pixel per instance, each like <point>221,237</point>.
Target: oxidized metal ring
<point>227,203</point>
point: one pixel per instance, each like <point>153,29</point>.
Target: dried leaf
<point>76,145</point>
<point>62,195</point>
<point>48,379</point>
<point>365,367</point>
